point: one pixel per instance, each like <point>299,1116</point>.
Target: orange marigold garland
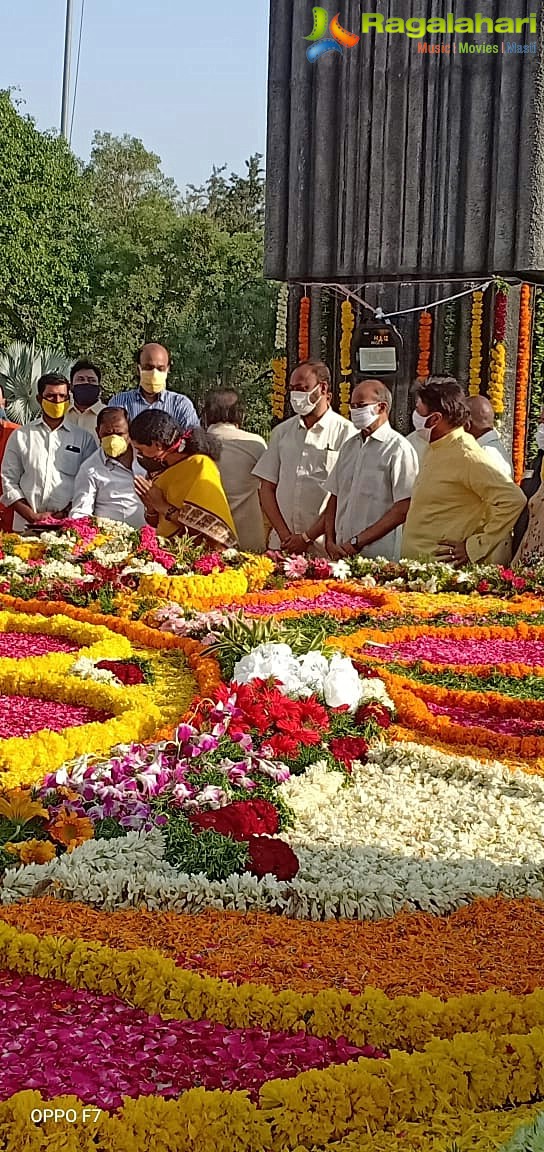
<point>497,357</point>
<point>348,324</point>
<point>522,382</point>
<point>424,345</point>
<point>304,328</point>
<point>475,367</point>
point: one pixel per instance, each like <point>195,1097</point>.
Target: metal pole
<point>66,71</point>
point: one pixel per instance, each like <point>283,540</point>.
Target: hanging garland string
<point>537,372</point>
<point>279,361</point>
<point>522,383</point>
<point>450,339</point>
<point>424,345</point>
<point>497,355</point>
<point>348,324</point>
<point>475,367</point>
<point>304,329</point>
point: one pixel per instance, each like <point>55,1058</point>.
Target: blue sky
<point>187,78</point>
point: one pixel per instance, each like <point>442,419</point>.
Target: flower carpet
<point>271,851</point>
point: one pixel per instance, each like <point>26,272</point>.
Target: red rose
<point>241,819</point>
<point>483,586</point>
<point>125,671</point>
<point>271,857</point>
<point>373,711</point>
<point>349,748</point>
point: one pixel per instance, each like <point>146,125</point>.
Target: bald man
<point>372,481</point>
<point>153,365</point>
<point>482,426</point>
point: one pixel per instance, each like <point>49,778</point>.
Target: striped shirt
<point>179,407</point>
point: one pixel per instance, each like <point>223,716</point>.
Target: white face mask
<point>540,437</point>
<point>302,402</point>
<point>419,423</point>
<point>363,417</point>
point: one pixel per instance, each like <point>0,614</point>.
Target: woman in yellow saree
<point>185,495</point>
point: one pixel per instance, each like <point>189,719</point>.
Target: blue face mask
<point>3,415</point>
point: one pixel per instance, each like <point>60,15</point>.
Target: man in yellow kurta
<point>462,509</point>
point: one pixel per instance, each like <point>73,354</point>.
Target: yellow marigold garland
<point>521,401</point>
<point>348,325</point>
<point>279,385</point>
<point>424,342</point>
<point>475,367</point>
<point>203,592</point>
<point>497,356</point>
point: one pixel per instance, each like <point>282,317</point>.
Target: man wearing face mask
<point>152,393</point>
<point>372,482</point>
<point>105,483</point>
<point>42,460</point>
<point>85,378</point>
<point>299,460</point>
<point>462,508</point>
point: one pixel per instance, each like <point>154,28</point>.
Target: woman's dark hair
<point>201,443</point>
<point>85,366</point>
<point>158,428</point>
<point>443,394</point>
<point>55,378</point>
<point>155,428</point>
<point>223,407</point>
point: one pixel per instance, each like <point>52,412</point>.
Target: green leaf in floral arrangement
<point>207,852</point>
<point>529,1138</point>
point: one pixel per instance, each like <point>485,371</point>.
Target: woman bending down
<point>185,494</point>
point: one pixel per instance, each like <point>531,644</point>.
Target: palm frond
<point>21,366</point>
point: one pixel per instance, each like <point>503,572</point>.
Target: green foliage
<point>108,829</point>
<point>216,856</point>
<point>45,237</point>
<point>236,204</point>
<point>187,273</point>
<point>21,366</point>
<point>530,1138</point>
<point>523,688</point>
<point>240,636</point>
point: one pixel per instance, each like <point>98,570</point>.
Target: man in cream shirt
<point>372,482</point>
<point>463,509</point>
<point>299,460</point>
<point>240,452</point>
<point>42,460</point>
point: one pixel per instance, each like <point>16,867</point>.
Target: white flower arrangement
<point>336,679</point>
<point>87,670</point>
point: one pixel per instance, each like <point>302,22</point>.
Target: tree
<point>236,204</point>
<point>135,213</point>
<point>188,274</point>
<point>45,240</point>
<point>21,366</point>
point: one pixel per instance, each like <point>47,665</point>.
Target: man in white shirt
<point>85,404</point>
<point>240,452</point>
<point>482,426</point>
<point>105,483</point>
<point>372,482</point>
<point>42,459</point>
<point>299,460</point>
